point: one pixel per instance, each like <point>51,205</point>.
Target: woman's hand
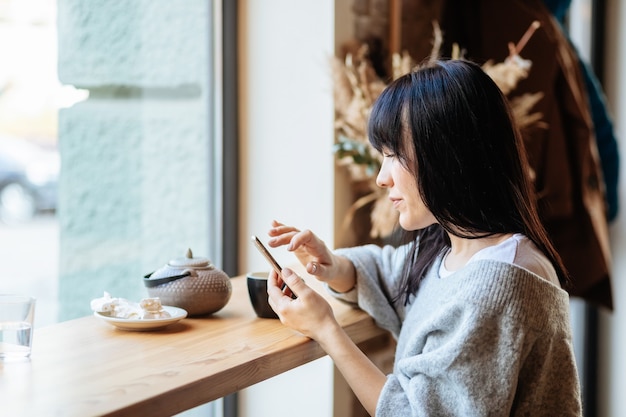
<point>309,313</point>
<point>314,255</point>
<point>310,250</point>
<point>312,316</point>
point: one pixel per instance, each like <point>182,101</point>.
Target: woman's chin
<point>405,224</point>
<point>412,224</point>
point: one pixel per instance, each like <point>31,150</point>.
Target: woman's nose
<point>383,179</point>
<point>379,180</point>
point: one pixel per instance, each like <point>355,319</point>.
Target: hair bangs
<point>385,127</point>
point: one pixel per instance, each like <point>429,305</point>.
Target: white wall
<point>612,386</point>
<point>286,139</point>
<point>287,118</point>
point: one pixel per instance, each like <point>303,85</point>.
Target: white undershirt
<point>517,250</point>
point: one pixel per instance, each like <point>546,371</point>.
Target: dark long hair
<point>451,126</point>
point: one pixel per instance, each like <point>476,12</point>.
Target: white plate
<point>176,314</point>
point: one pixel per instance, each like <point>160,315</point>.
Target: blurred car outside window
<point>29,175</point>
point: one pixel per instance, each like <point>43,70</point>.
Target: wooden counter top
<point>87,367</point>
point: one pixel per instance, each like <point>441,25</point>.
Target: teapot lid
<point>190,262</point>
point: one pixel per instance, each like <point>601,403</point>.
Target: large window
<point>109,163</point>
<point>109,124</point>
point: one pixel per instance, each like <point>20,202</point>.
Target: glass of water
<point>17,314</point>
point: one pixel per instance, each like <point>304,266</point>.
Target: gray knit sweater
<point>492,339</point>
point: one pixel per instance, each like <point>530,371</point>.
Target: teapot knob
<point>188,261</point>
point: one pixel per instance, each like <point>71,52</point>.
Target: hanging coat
<point>563,155</point>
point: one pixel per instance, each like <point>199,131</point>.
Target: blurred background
<point>30,99</point>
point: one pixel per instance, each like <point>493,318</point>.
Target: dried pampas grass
<point>355,88</point>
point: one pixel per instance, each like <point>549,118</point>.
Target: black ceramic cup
<point>257,289</point>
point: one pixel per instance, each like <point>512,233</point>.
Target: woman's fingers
<point>289,235</point>
<point>315,268</point>
<point>310,250</point>
<point>304,238</point>
<point>279,294</point>
<point>308,314</point>
<point>278,228</point>
<point>294,282</point>
<point>278,286</point>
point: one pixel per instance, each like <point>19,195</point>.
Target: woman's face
<point>403,193</point>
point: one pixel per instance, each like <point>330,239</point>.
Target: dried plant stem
<point>525,38</point>
<point>437,41</point>
<point>395,33</point>
<point>361,202</point>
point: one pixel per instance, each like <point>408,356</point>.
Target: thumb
<point>293,281</point>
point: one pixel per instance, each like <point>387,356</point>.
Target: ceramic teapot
<point>193,284</point>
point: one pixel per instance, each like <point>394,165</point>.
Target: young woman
<point>475,299</point>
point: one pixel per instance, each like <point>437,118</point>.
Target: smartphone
<point>261,247</point>
<point>266,253</point>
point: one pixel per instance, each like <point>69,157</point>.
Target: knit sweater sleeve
<point>378,272</point>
